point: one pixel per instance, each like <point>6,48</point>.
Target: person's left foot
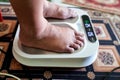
<point>53,10</point>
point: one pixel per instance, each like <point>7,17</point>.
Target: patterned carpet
<point>107,28</point>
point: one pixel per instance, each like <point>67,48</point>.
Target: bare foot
<point>51,37</point>
<point>55,11</point>
<point>54,38</point>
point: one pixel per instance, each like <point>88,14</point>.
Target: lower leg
<point>35,31</point>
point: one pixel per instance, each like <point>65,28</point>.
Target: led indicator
<point>86,22</point>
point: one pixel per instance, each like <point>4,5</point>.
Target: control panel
<point>88,28</point>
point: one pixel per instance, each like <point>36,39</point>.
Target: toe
<point>65,13</point>
<point>69,49</point>
<point>80,43</point>
<point>79,34</point>
<point>79,38</point>
<point>75,46</point>
<point>72,12</point>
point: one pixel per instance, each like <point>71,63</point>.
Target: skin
<point>37,32</point>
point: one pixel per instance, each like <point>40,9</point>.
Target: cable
<point>109,75</point>
<point>5,35</point>
<point>2,51</point>
<point>10,75</point>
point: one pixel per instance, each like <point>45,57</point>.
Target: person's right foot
<point>53,38</point>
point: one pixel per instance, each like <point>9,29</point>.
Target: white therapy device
<point>80,58</point>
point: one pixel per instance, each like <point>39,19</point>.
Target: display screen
<point>88,28</point>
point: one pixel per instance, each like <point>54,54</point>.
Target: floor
<point>107,28</point>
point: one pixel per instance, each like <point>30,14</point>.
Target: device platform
<point>80,58</point>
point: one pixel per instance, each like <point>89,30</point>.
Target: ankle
<point>33,31</point>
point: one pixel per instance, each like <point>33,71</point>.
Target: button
<point>92,39</point>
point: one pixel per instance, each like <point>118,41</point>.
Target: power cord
<point>10,75</point>
<point>109,75</point>
<point>6,35</point>
<point>2,51</point>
